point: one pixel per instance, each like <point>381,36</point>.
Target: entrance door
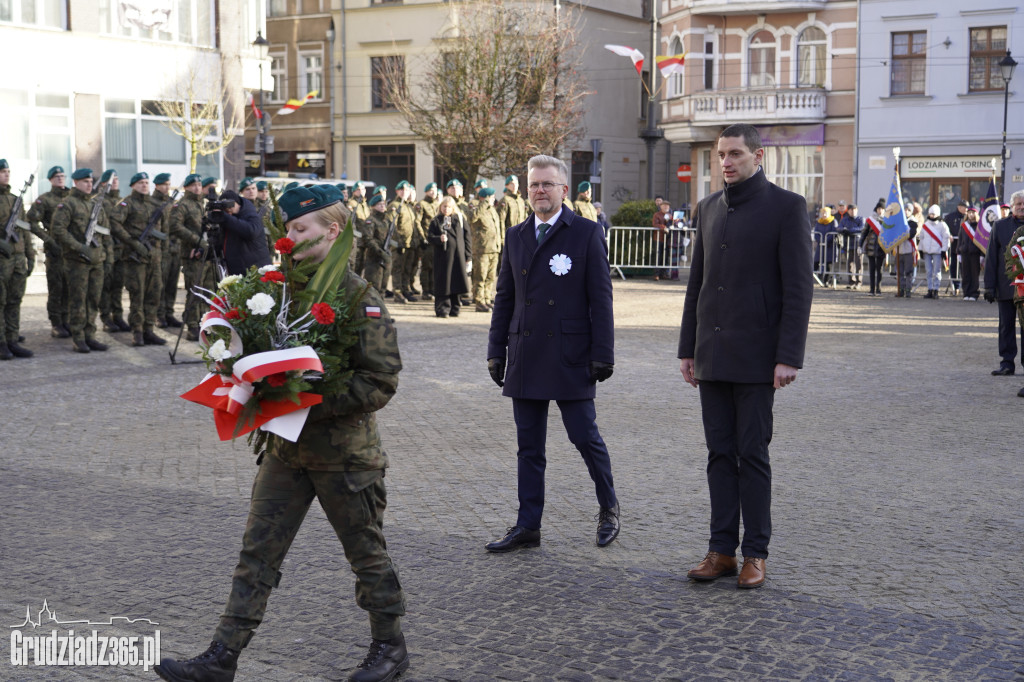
<point>949,193</point>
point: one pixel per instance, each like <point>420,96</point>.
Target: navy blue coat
<point>550,326</point>
<point>245,242</point>
<point>996,280</point>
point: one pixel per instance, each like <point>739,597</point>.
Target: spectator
<point>661,220</point>
<point>448,233</point>
<point>970,255</point>
<point>826,227</point>
<point>602,219</point>
<point>933,240</point>
<point>905,255</point>
<point>873,250</point>
<point>953,220</point>
<point>850,227</point>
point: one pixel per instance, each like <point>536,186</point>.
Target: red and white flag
<point>670,64</point>
<point>252,103</point>
<point>636,55</point>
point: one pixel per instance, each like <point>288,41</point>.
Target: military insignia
<point>372,311</point>
<point>560,264</point>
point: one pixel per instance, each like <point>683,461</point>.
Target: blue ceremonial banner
<point>894,230</point>
<point>989,214</point>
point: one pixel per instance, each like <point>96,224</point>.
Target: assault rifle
<point>92,228</point>
<point>14,223</point>
<point>150,230</point>
<point>387,238</point>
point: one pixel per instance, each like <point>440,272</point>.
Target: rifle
<point>14,223</point>
<point>150,230</point>
<point>388,236</point>
<point>94,216</point>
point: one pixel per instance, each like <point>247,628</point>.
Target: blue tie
<point>542,231</point>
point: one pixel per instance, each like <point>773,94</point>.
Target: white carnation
<point>267,268</point>
<point>260,304</point>
<point>219,351</point>
<point>229,280</point>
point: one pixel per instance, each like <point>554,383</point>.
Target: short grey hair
<point>544,161</point>
<point>1019,194</point>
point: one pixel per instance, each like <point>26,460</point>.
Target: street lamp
<point>330,92</point>
<point>262,46</point>
<point>1006,67</point>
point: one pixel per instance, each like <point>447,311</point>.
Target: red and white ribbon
<point>215,318</point>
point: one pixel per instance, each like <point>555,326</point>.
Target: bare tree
<point>505,85</point>
<point>196,113</point>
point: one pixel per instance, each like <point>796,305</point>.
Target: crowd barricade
<point>639,249</point>
<point>831,264</point>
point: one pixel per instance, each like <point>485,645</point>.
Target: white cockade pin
<point>560,264</point>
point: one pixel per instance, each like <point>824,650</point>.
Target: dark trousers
<point>875,273</point>
<point>970,270</point>
<point>447,305</point>
<point>579,417</point>
<point>738,429</point>
<point>1007,334</point>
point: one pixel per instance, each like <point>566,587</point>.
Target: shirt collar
<point>537,222</point>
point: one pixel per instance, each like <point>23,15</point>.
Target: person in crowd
<point>970,255</point>
<point>661,221</point>
<point>871,248</point>
<point>851,226</point>
<point>906,253</point>
<point>933,242</point>
<point>583,206</point>
<point>39,216</point>
<point>602,218</point>
<point>826,228</point>
<point>953,220</point>
<point>450,240</point>
<point>998,288</point>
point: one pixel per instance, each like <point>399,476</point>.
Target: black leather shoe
<point>607,525</point>
<point>95,345</point>
<point>216,664</point>
<point>1003,372</point>
<point>386,660</point>
<point>79,347</point>
<point>152,339</point>
<point>172,321</point>
<point>122,325</point>
<point>19,351</point>
<point>515,537</point>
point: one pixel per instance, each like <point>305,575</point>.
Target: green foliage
<point>635,214</point>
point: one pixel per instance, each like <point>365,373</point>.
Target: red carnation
<point>234,314</point>
<point>284,245</point>
<point>323,313</point>
<point>276,380</point>
<point>218,303</point>
<point>272,276</point>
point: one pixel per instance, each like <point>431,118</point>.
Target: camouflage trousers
<point>113,285</point>
<point>375,273</point>
<point>354,504</point>
<point>170,265</point>
<point>485,275</point>
<point>13,275</point>
<point>192,270</point>
<point>85,285</point>
<point>56,289</point>
<point>401,281</point>
<point>142,280</point>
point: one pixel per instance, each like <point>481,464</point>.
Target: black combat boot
<point>79,346</point>
<point>161,322</point>
<point>152,339</point>
<point>192,334</point>
<point>5,352</point>
<point>109,325</point>
<point>58,332</point>
<point>138,340</point>
<point>121,324</point>
<point>386,660</point>
<point>95,345</point>
<point>172,321</point>
<point>18,350</point>
<point>216,664</point>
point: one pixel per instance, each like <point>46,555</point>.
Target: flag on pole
<point>670,64</point>
<point>989,215</point>
<point>894,229</point>
<point>252,103</point>
<point>294,104</point>
<point>636,55</point>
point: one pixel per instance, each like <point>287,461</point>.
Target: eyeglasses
<point>546,186</point>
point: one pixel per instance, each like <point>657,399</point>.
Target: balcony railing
<point>777,106</point>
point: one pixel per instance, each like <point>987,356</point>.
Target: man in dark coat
<point>552,338</point>
<point>998,288</point>
<point>244,243</point>
<point>743,335</point>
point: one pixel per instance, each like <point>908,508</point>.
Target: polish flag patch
<point>372,311</point>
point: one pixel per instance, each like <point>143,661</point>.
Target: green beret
<point>342,186</point>
<point>480,183</point>
<point>291,185</point>
<point>162,178</point>
<point>375,199</point>
<point>141,175</point>
<point>107,174</point>
<point>209,181</point>
<point>192,178</point>
<point>583,187</point>
<point>262,185</point>
<point>359,185</point>
<point>53,171</point>
<point>511,178</point>
<point>402,185</point>
<point>245,182</point>
<point>3,164</point>
<point>486,192</point>
<point>454,181</point>
<point>429,187</point>
<point>82,174</point>
<point>299,201</point>
<point>379,189</point>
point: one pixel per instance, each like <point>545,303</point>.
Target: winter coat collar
<point>744,191</point>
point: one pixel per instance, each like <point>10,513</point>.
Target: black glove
<point>496,366</point>
<point>83,252</point>
<point>599,371</point>
<point>989,296</point>
<point>31,265</point>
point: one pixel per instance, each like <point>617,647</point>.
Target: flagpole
<point>899,197</point>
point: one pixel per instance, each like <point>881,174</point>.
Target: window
<point>674,87</point>
<point>580,171</point>
<point>277,8</point>
<point>810,65</point>
<point>761,60</point>
<point>388,80</point>
<point>311,73</point>
<point>709,63</point>
<point>279,70</point>
<point>387,164</point>
<point>988,47</point>
<point>908,62</point>
<point>704,186</point>
<point>184,21</point>
<point>799,168</point>
<point>36,132</point>
<point>49,13</point>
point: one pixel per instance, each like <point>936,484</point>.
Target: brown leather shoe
<point>713,566</point>
<point>752,574</point>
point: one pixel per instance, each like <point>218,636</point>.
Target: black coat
<point>449,261</point>
<point>748,301</point>
<point>996,280</point>
<point>245,243</point>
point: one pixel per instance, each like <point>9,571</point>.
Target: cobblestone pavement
<point>898,504</point>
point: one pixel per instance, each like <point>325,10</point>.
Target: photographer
<point>241,242</point>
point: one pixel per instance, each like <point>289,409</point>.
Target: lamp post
<point>1006,67</point>
<point>329,172</point>
<point>262,46</point>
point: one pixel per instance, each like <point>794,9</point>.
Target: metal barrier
<point>830,264</point>
<point>637,248</point>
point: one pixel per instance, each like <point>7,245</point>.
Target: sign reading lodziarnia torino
<point>947,166</point>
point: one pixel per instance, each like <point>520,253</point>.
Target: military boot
<point>95,345</point>
<point>121,324</point>
<point>5,352</point>
<point>79,346</point>
<point>172,321</point>
<point>152,339</point>
<point>161,322</point>
<point>192,334</point>
<point>386,660</point>
<point>108,325</point>
<point>216,664</point>
<point>138,339</point>
<point>58,332</point>
<point>18,350</point>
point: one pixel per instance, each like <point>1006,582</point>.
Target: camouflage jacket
<point>583,208</point>
<point>360,210</point>
<point>69,222</point>
<point>7,199</point>
<point>341,432</point>
<point>130,216</point>
<point>405,227</point>
<point>375,230</point>
<point>164,225</point>
<point>511,210</point>
<point>486,233</point>
<point>428,211</point>
<point>40,215</point>
<point>186,222</point>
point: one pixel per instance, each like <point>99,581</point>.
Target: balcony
<point>781,106</point>
<point>752,7</point>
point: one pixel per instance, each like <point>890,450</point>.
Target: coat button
<point>524,271</point>
<point>551,302</point>
<point>731,210</point>
<point>550,334</point>
<point>529,301</point>
<point>724,247</point>
<point>526,333</point>
<point>717,329</point>
<point>721,288</point>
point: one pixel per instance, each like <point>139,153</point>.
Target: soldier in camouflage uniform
<point>338,459</point>
<point>511,210</point>
<point>170,255</point>
<point>187,228</point>
<point>83,261</point>
<point>428,211</point>
<point>39,216</point>
<point>374,230</point>
<point>360,210</point>
<point>111,306</point>
<point>262,194</point>
<point>142,267</point>
<point>486,246</point>
<point>13,271</point>
<point>583,206</point>
<point>401,244</point>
